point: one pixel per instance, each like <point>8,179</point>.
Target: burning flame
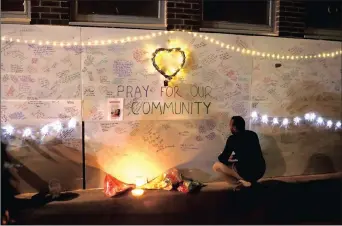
<point>139,182</point>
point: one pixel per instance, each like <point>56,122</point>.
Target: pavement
<point>270,202</point>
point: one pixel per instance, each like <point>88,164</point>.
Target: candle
<point>139,181</point>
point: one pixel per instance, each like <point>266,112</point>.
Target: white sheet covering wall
<point>229,83</point>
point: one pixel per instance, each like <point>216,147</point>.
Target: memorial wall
<point>52,78</point>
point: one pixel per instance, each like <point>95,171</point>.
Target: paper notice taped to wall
<point>115,109</point>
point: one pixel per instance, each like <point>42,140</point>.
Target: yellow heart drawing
<point>168,62</point>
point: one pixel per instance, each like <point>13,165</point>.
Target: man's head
<point>237,124</point>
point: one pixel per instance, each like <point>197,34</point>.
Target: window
<point>324,19</point>
<point>15,11</point>
<point>239,16</point>
<point>138,13</point>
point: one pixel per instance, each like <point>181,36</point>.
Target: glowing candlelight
<point>137,192</point>
<point>139,181</point>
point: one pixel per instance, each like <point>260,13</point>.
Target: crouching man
<point>249,165</point>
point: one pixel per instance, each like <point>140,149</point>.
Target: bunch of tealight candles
<point>285,122</point>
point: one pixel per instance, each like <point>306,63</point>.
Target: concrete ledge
<point>221,185</point>
<point>273,202</point>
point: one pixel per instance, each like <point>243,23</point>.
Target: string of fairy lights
<point>53,128</point>
<point>57,127</point>
<point>128,39</point>
<point>311,118</point>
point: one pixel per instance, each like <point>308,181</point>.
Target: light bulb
<point>338,125</point>
<point>296,120</point>
<point>275,121</point>
<point>72,123</point>
<point>57,126</point>
<point>264,119</point>
<point>44,130</point>
<point>329,123</point>
<point>320,121</point>
<point>312,116</point>
<point>8,129</point>
<point>27,132</point>
<point>307,116</point>
<point>285,122</point>
<point>254,115</point>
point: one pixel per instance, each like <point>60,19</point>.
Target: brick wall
<point>54,12</point>
<point>181,15</point>
<point>290,21</point>
<point>184,14</point>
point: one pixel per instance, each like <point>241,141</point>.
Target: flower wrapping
<point>113,186</point>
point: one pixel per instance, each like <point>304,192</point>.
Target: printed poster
<point>115,109</point>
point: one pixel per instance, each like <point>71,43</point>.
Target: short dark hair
<point>239,123</point>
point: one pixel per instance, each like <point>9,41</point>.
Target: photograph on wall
<point>115,109</point>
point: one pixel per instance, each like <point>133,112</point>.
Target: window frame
<point>17,17</point>
<point>120,21</point>
<point>323,34</point>
<point>244,28</point>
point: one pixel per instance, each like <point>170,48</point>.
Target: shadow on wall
<point>204,161</point>
<point>321,144</point>
<point>307,144</point>
<point>53,160</point>
<point>275,163</point>
<point>319,164</point>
